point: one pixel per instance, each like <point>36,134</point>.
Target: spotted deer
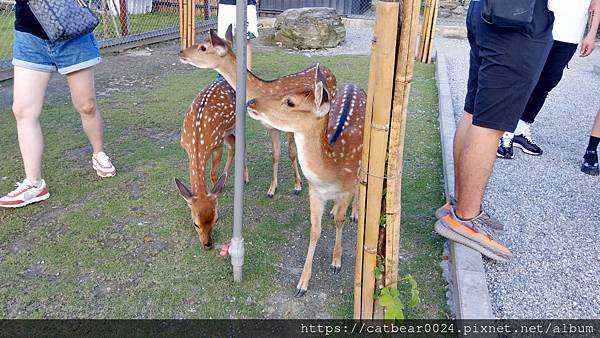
<point>329,133</point>
<point>217,53</point>
<point>208,123</point>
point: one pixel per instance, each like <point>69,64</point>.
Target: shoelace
<point>21,186</point>
<point>479,225</point>
<point>527,135</point>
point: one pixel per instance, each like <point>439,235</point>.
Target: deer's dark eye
<point>290,103</point>
<point>203,48</point>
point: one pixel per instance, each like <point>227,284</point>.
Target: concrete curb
<point>468,285</point>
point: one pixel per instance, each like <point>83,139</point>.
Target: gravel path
<point>551,209</point>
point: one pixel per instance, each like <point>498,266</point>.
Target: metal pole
<point>236,249</point>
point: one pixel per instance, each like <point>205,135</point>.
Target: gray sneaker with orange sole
<point>473,233</point>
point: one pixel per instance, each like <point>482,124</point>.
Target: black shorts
<point>504,66</point>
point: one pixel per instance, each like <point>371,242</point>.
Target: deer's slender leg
<point>230,142</point>
<point>354,217</point>
<point>341,206</point>
<point>293,155</point>
<point>216,163</point>
<point>316,213</point>
<point>276,146</point>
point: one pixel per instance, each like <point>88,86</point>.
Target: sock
<point>508,135</point>
<point>593,145</point>
<point>521,127</point>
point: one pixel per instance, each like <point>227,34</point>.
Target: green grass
<point>125,247</point>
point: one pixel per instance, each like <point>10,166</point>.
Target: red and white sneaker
<point>26,193</point>
<point>101,163</point>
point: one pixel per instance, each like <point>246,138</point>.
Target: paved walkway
<point>551,209</point>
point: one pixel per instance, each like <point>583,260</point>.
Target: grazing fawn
<point>329,134</point>
<point>216,53</point>
<point>208,122</point>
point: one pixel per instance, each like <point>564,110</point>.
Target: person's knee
<point>86,108</point>
<point>23,111</point>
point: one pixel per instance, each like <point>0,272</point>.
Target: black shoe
<point>590,163</point>
<point>505,148</point>
<point>526,143</point>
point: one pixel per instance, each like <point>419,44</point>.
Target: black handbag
<point>63,19</point>
<point>510,14</point>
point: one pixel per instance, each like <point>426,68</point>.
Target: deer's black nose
<point>250,103</point>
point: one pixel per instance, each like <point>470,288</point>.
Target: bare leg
<point>464,124</point>
<point>477,158</point>
<point>83,94</point>
<point>341,208</point>
<point>276,146</point>
<point>216,163</point>
<point>316,213</point>
<point>28,91</point>
<point>596,127</point>
<point>293,155</point>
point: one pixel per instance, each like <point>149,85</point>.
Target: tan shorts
<point>227,16</point>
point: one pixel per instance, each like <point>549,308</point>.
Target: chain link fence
<point>350,8</point>
<point>121,22</point>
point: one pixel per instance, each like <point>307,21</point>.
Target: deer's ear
<point>219,185</point>
<point>184,191</point>
<point>218,44</point>
<point>229,34</point>
<point>322,102</point>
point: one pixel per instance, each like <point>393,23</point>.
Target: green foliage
<point>390,299</point>
<point>379,270</point>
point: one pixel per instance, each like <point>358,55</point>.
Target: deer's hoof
<point>269,195</point>
<point>335,269</point>
<point>331,215</point>
<point>299,293</point>
<point>297,191</point>
<point>354,220</point>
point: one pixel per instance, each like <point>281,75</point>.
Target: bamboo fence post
<point>374,155</point>
<point>434,23</point>
<point>187,24</point>
<point>424,29</point>
<point>390,74</point>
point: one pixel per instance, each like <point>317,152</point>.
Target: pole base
<point>236,251</point>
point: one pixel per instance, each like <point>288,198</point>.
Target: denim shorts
<point>66,56</point>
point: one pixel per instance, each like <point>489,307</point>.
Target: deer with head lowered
<point>208,123</point>
<point>329,133</point>
<point>217,53</point>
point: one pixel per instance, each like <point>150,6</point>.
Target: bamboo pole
<point>390,74</point>
<point>402,83</point>
<point>432,34</point>
<point>187,25</point>
<point>374,147</point>
<point>424,29</point>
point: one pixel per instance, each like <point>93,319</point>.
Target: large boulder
<point>309,28</point>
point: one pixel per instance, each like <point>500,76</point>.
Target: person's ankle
<point>36,183</point>
<point>464,216</point>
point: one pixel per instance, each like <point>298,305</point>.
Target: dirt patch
<point>326,291</point>
<point>156,136</point>
<point>82,155</point>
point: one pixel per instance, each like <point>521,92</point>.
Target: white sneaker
<point>101,163</point>
<point>26,193</point>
